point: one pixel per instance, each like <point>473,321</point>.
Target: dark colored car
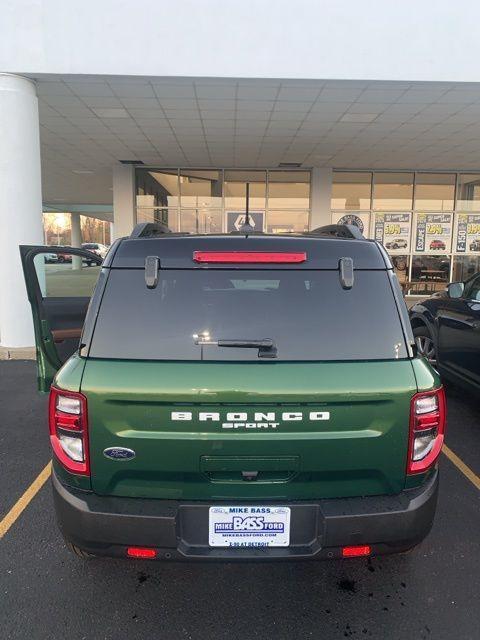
<point>241,396</point>
<point>98,249</point>
<point>447,331</point>
<point>64,257</point>
<point>437,245</point>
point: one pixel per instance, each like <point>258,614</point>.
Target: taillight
<point>67,416</point>
<point>427,429</point>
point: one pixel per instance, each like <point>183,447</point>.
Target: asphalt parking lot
<point>46,593</point>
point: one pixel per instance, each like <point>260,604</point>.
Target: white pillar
<point>321,191</point>
<point>124,217</point>
<point>76,237</point>
<point>20,203</point>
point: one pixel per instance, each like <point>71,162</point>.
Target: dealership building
<point>317,112</point>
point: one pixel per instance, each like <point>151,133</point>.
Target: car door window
<point>472,290</point>
<point>65,276</point>
<point>60,282</point>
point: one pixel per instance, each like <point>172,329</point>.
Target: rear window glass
<point>306,314</point>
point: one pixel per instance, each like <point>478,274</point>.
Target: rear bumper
<point>179,530</point>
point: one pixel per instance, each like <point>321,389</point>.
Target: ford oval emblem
<point>119,453</point>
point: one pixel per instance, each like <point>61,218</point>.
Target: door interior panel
<point>59,286</point>
<point>65,317</point>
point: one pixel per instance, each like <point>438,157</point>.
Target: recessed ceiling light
<point>358,117</point>
<point>113,112</point>
<point>85,171</point>
<point>290,165</point>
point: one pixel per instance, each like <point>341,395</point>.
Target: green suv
<point>238,396</point>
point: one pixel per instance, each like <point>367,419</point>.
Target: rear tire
<point>80,553</point>
<point>425,344</point>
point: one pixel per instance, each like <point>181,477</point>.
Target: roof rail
<point>149,230</point>
<point>339,231</point>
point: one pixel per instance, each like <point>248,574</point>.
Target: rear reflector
<point>141,552</point>
<point>353,552</point>
<point>252,257</point>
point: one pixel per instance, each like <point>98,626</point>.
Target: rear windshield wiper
<point>266,347</point>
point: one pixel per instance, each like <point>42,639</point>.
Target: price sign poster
<point>468,233</point>
<point>433,232</point>
<point>393,231</point>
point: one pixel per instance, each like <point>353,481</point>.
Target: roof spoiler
<point>339,231</point>
<point>149,230</point>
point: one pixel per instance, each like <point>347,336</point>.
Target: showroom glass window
<point>214,200</point>
<point>392,191</point>
<point>399,199</point>
<point>434,191</point>
<point>351,191</point>
<point>468,192</point>
<point>157,196</point>
<point>288,201</point>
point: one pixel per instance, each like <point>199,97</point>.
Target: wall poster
<point>467,236</point>
<point>393,230</point>
<point>433,233</point>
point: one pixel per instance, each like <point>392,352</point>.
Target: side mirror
<point>455,289</point>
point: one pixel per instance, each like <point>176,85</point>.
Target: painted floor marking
<point>461,466</point>
<point>23,502</point>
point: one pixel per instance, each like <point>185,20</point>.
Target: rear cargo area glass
<point>307,314</point>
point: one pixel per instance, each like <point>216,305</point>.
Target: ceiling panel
<point>93,122</point>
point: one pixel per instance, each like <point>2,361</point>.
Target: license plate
<point>254,526</point>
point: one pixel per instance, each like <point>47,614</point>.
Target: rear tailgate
<point>339,429</point>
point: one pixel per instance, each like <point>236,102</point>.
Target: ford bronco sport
<point>235,396</point>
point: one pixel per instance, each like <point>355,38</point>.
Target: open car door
<point>60,283</point>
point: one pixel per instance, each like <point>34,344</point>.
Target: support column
<point>124,217</point>
<point>321,191</point>
<point>20,204</point>
<point>76,233</point>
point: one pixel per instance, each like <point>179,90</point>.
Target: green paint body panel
<point>426,376</point>
<point>360,450</point>
<point>69,377</point>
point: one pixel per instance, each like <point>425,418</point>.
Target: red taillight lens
<point>427,429</point>
<point>355,552</point>
<point>67,416</point>
<point>141,552</point>
<point>252,257</point>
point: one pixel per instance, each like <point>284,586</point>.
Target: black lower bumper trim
<point>104,525</point>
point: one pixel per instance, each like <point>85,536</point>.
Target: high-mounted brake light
<point>427,429</point>
<point>252,257</point>
<point>67,417</point>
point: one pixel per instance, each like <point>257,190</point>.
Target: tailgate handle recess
<point>248,476</point>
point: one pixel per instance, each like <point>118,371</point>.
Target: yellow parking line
<point>461,466</point>
<point>23,502</point>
